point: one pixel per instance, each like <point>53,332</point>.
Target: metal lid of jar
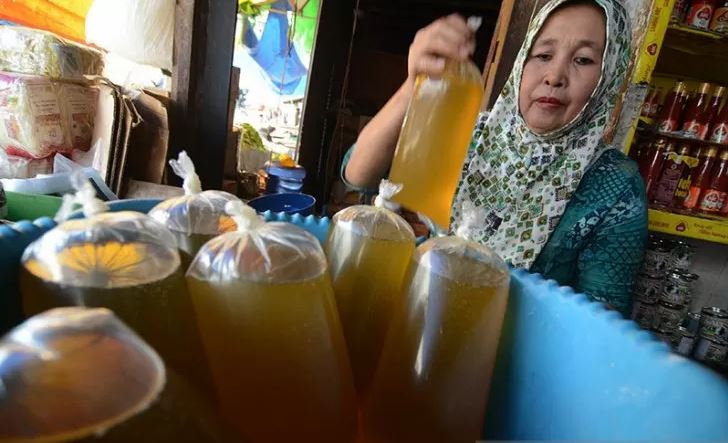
<point>685,332</point>
<point>670,305</point>
<point>688,275</point>
<point>715,312</point>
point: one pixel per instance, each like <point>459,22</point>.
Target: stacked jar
<point>664,288</point>
<point>712,342</point>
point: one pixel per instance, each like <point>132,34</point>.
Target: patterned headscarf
<point>516,184</point>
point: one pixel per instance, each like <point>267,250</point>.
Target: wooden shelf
<point>696,41</point>
<point>712,230</point>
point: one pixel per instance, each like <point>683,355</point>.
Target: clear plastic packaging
<point>369,249</point>
<point>268,320</point>
<point>36,52</point>
<point>197,216</point>
<point>40,116</point>
<point>140,30</point>
<point>124,261</point>
<point>440,350</point>
<point>435,137</point>
<point>70,373</point>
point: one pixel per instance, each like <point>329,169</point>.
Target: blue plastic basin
<point>289,203</point>
<point>567,368</point>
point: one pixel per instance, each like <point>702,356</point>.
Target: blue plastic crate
<point>567,368</point>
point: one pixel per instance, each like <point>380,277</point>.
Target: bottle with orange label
<point>719,22</point>
<point>713,197</point>
<point>701,177</point>
<point>700,13</point>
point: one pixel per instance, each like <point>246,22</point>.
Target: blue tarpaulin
<point>275,54</point>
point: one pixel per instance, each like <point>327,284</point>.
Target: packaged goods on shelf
<point>35,52</point>
<point>39,116</point>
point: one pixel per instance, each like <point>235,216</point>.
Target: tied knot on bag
<point>244,216</point>
<point>85,196</point>
<point>185,169</point>
<point>471,216</point>
<point>387,190</point>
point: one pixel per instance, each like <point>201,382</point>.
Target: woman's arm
<point>445,38</point>
<point>612,258</point>
<point>370,161</point>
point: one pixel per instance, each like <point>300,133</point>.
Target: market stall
<point>200,315</point>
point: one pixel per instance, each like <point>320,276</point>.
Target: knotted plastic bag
<point>445,333</point>
<point>197,216</point>
<point>123,261</point>
<point>70,373</point>
<point>369,249</point>
<point>268,320</point>
<point>435,137</point>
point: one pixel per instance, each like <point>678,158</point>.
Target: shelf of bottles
<point>681,146</point>
<point>686,225</point>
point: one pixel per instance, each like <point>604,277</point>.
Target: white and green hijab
<point>516,184</point>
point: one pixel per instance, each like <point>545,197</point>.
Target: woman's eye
<point>583,61</point>
<point>543,57</point>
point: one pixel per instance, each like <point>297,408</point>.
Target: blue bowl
<point>288,203</point>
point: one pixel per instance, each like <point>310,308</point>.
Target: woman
<point>553,197</point>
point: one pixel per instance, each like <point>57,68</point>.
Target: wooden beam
<point>203,55</point>
<point>326,79</point>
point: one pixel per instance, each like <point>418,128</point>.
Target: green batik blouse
<point>598,244</point>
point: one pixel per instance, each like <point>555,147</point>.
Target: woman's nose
<point>555,76</point>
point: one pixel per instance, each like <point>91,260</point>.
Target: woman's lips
<point>549,102</point>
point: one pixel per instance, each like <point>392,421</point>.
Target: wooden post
<point>203,55</point>
<point>328,67</point>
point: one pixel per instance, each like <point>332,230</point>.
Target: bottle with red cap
<point>701,176</point>
<point>713,197</point>
<point>671,113</point>
<point>696,112</point>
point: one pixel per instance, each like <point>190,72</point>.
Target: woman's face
<point>563,67</point>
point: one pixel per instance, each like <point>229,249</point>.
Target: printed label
<point>712,201</point>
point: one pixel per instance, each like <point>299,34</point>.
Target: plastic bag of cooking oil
<point>369,249</point>
<point>446,332</point>
<point>70,373</point>
<point>267,316</point>
<point>197,216</point>
<point>435,137</point>
<point>123,261</point>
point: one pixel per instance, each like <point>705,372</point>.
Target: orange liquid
<point>278,359</point>
<point>433,378</point>
<point>367,275</point>
<point>160,312</point>
<point>433,142</point>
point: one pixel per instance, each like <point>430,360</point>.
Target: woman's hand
<point>446,38</point>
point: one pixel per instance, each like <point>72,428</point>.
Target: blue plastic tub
<point>290,203</point>
<point>567,368</point>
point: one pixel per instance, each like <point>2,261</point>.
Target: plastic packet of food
<point>37,52</point>
<point>40,116</point>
